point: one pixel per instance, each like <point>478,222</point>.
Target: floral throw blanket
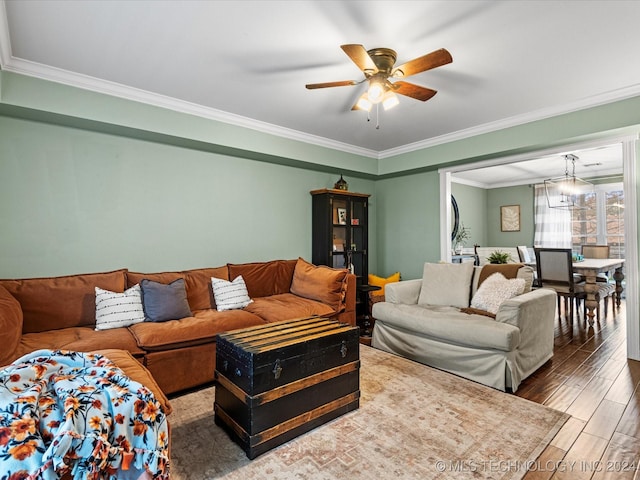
<point>76,413</point>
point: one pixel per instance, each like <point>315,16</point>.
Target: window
<point>601,220</point>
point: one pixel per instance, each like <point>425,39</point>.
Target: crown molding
<point>24,67</point>
<point>13,64</point>
<point>33,69</point>
<point>589,102</point>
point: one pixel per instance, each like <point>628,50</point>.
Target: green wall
<point>472,205</point>
<point>80,201</point>
<point>408,229</point>
<point>521,195</point>
<point>480,212</point>
<point>93,182</point>
<point>90,182</point>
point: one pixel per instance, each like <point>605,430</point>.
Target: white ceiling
<point>600,162</point>
<point>247,62</point>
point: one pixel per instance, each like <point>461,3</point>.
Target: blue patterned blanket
<point>77,413</point>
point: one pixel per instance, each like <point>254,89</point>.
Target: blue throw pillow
<point>164,302</point>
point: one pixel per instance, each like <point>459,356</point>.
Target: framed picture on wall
<point>510,218</point>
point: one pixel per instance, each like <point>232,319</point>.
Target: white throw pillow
<point>115,310</point>
<point>495,290</point>
<point>230,295</point>
<point>447,284</point>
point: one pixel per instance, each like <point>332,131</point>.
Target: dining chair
<point>523,253</point>
<point>596,251</point>
<point>525,257</point>
<point>554,268</point>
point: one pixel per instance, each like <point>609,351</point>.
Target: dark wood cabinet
<point>340,236</point>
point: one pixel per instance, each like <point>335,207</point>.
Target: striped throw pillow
<point>114,310</point>
<point>230,295</point>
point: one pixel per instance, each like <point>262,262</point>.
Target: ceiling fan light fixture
<point>390,100</point>
<point>377,64</point>
<point>376,91</point>
<point>364,103</point>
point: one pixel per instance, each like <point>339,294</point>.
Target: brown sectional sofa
<point>59,313</point>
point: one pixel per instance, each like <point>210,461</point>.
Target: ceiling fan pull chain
<point>377,116</point>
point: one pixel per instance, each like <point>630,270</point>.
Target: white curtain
<point>552,225</point>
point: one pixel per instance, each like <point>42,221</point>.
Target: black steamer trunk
<point>277,381</point>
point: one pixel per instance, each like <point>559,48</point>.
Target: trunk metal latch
<point>277,369</point>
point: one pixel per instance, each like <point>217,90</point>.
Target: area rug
<point>413,422</point>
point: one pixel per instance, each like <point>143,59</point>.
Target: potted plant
<point>462,235</point>
<point>499,257</point>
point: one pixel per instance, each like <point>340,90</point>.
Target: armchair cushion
<point>446,284</point>
<point>495,290</point>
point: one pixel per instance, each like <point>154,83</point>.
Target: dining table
<point>589,268</point>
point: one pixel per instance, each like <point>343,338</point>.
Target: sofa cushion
<point>320,283</point>
<point>81,339</point>
<point>201,328</point>
<point>197,283</point>
<point>10,326</point>
<point>134,278</point>
<point>495,290</point>
<point>264,278</point>
<point>199,288</point>
<point>446,284</point>
<point>287,306</point>
<point>114,310</point>
<point>62,302</point>
<point>164,302</point>
<point>230,295</point>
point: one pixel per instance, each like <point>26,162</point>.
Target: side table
<point>366,327</point>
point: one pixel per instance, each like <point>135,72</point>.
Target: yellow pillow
<point>381,282</point>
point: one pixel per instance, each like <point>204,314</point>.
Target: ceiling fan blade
<point>360,57</point>
<point>414,91</point>
<point>421,64</point>
<point>342,83</point>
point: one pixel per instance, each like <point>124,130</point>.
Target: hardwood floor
<point>590,378</point>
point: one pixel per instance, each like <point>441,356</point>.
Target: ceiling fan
<point>377,66</point>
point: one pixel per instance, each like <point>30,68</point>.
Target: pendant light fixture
<point>562,192</point>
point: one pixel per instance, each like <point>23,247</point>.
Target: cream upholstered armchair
<point>437,320</point>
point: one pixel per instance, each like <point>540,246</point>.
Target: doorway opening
<point>627,147</point>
